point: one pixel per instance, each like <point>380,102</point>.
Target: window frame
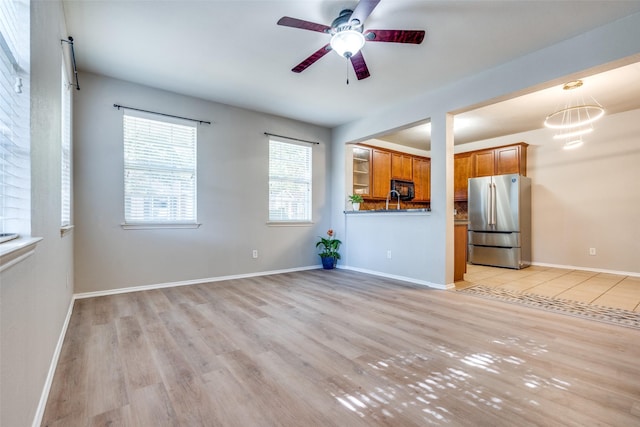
<point>289,221</point>
<point>66,153</point>
<point>15,146</point>
<point>130,220</point>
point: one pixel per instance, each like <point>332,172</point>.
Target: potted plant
<point>329,250</point>
<point>356,199</point>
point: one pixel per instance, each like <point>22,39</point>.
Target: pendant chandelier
<point>576,118</point>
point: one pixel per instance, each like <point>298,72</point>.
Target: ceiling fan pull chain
<point>347,70</point>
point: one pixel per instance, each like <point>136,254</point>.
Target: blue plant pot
<point>329,263</point>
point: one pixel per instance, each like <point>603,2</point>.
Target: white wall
<point>608,44</point>
<point>588,197</point>
<point>232,194</point>
<point>402,235</point>
<point>36,293</point>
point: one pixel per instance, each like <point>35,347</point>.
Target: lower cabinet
<point>459,251</point>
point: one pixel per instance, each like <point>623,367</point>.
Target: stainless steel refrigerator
<point>500,221</point>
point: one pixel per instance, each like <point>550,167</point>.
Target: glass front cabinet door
<point>361,171</point>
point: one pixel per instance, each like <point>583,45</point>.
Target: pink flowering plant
<point>329,246</point>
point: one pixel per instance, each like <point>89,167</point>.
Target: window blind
<point>289,181</point>
<point>159,170</point>
<point>65,172</point>
<point>15,169</point>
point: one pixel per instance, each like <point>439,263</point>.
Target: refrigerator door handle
<point>494,215</point>
<point>489,206</point>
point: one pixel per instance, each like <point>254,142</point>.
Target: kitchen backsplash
<point>369,205</point>
<point>461,209</point>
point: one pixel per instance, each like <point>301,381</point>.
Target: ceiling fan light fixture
<point>347,42</point>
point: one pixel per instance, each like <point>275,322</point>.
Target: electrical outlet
<point>255,253</point>
<point>389,254</point>
<point>592,251</point>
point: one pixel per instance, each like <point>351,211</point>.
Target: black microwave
<point>406,189</point>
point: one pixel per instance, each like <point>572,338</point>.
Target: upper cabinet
<point>484,163</point>
<point>422,178</point>
<point>381,171</point>
<point>500,160</point>
<point>492,161</point>
<point>511,159</point>
<point>401,166</point>
<point>461,174</point>
<point>376,167</point>
<point>362,171</point>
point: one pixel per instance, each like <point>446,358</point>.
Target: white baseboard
<point>596,270</point>
<point>188,282</point>
<point>401,278</point>
<point>37,420</point>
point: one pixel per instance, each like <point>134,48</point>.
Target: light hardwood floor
<point>337,348</point>
<point>602,289</point>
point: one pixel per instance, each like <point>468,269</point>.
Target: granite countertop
<point>389,211</point>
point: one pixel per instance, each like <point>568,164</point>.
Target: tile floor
<point>602,289</point>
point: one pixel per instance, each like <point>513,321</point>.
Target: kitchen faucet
<point>389,196</point>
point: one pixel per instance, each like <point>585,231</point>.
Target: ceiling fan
<point>348,37</point>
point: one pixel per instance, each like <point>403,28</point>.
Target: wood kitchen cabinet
<point>484,163</point>
<point>362,171</point>
<point>401,166</point>
<point>461,175</point>
<point>501,160</point>
<point>381,172</point>
<point>459,251</point>
<point>422,178</point>
<point>511,159</point>
<point>384,165</point>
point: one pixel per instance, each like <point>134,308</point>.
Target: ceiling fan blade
<point>363,10</point>
<point>312,59</point>
<point>359,66</point>
<point>395,36</point>
<point>305,25</point>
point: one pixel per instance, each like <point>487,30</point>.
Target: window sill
<point>64,230</point>
<point>151,226</point>
<point>289,223</point>
<point>14,251</point>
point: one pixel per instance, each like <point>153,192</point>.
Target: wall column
<point>442,198</point>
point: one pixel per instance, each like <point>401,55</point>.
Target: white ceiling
<point>616,90</point>
<point>233,52</point>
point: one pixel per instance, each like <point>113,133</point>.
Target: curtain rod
<point>294,139</point>
<point>73,59</point>
<point>162,114</point>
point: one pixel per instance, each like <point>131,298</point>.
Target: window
<point>159,170</point>
<point>289,182</point>
<point>65,173</point>
<point>15,168</point>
